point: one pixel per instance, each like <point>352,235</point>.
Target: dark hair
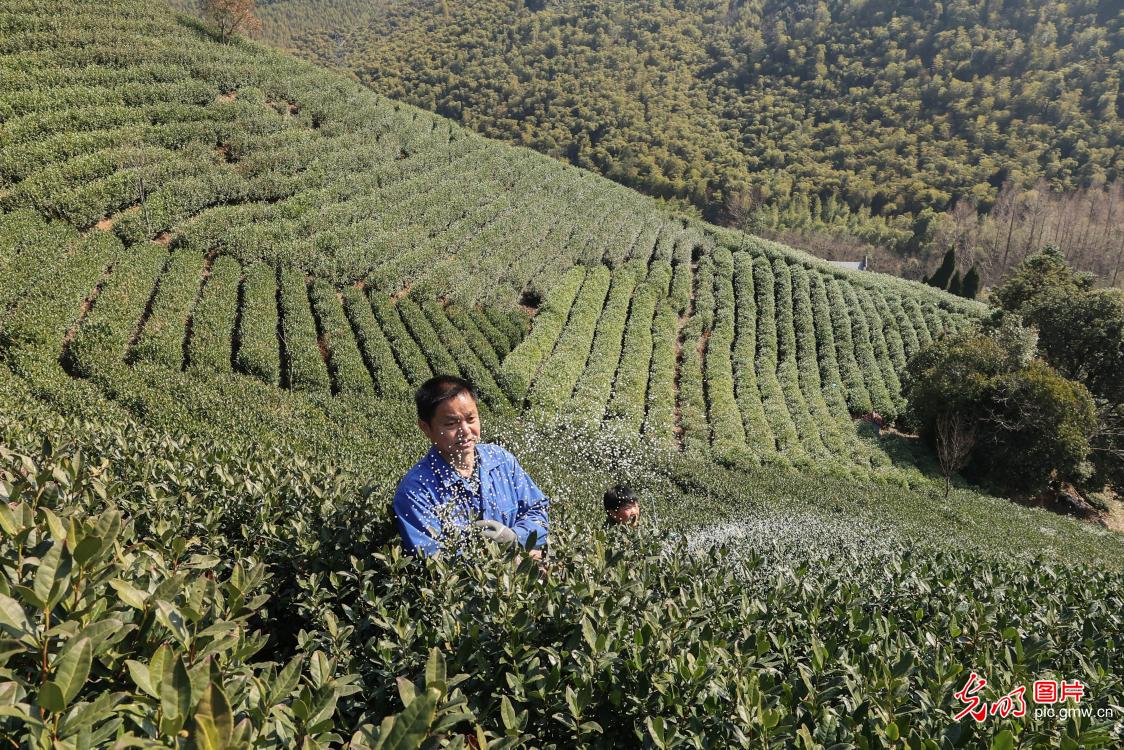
<point>438,390</point>
<point>619,496</point>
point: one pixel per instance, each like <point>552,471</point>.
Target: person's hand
<point>497,532</point>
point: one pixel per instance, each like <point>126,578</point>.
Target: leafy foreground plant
<point>110,639</point>
<point>122,628</point>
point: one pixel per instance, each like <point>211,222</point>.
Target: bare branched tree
<point>137,160</point>
<point>231,16</point>
<point>741,208</point>
<point>956,437</point>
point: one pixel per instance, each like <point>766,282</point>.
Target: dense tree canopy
<point>1031,425</point>
<point>1081,333</point>
<point>860,114</point>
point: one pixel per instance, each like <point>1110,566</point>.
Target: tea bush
<point>413,361</point>
<point>345,365</point>
<point>625,639</point>
<point>523,363</point>
<point>595,384</point>
<point>213,321</point>
<point>562,369</point>
<point>161,338</point>
<point>469,364</point>
<point>100,345</point>
<point>376,349</point>
<point>626,403</point>
<point>258,351</point>
<point>305,365</point>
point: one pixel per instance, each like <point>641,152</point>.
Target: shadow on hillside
<point>905,451</point>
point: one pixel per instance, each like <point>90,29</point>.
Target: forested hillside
<point>224,273</point>
<point>859,118</point>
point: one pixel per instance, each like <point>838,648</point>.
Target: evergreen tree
<point>954,285</point>
<point>943,275</point>
<point>971,285</point>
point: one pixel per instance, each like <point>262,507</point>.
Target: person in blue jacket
<point>462,482</point>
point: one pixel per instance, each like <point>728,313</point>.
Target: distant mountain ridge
<point>858,114</point>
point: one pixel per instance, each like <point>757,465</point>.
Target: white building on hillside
<point>854,265</point>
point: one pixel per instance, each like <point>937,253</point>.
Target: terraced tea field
<point>163,207</point>
<point>223,274</point>
<point>749,356</point>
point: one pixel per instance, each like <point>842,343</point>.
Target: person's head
<point>447,414</point>
<point>622,506</point>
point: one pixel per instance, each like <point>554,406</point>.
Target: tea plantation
<point>223,273</point>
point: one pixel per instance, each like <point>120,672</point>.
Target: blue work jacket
<point>433,487</point>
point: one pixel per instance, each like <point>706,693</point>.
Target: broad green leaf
<point>1003,741</point>
<point>8,523</point>
<point>142,678</point>
<point>507,713</point>
<point>589,633</point>
<point>406,690</point>
<point>286,680</point>
<point>319,669</point>
<point>214,720</point>
<point>51,697</point>
<point>160,665</point>
<point>73,669</point>
<point>175,690</point>
<point>13,616</point>
<point>170,617</point>
<point>410,727</point>
<point>48,570</point>
<point>572,702</point>
<point>86,549</point>
<point>55,524</point>
<point>435,676</point>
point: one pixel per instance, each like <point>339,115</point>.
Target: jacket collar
<point>448,475</point>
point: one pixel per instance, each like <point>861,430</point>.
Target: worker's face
<point>455,427</point>
<point>628,515</point>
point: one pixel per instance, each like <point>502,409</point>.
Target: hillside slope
<point>206,207</point>
<point>831,111</point>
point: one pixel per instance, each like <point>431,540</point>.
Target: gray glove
<point>497,532</point>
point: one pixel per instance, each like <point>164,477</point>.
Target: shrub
<point>111,638</point>
<point>306,366</point>
<point>410,358</point>
<point>1031,422</point>
<point>470,365</point>
<point>726,421</point>
<point>345,364</point>
<point>787,370</point>
<point>51,301</point>
<point>257,352</point>
<point>213,321</point>
<point>694,429</point>
<point>376,349</point>
<point>772,394</point>
<point>99,345</point>
<point>595,385</point>
<point>858,398</point>
<point>657,347</point>
<point>161,340</point>
<point>523,363</point>
<point>438,356</point>
<point>561,370</point>
<point>632,386</point>
<point>759,434</point>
